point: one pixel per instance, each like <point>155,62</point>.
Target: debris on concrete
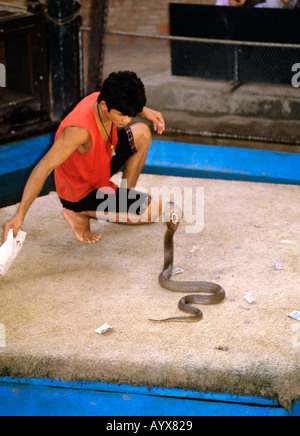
<point>295,315</point>
<point>250,299</point>
<point>104,329</point>
<point>277,266</point>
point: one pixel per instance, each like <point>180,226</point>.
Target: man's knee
<point>153,212</point>
<point>142,135</point>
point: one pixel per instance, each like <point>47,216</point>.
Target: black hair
<point>124,92</point>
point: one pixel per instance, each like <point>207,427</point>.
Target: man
<point>88,151</point>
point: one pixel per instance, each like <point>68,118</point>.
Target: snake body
<point>215,293</point>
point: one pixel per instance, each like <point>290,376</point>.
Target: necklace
<point>113,153</point>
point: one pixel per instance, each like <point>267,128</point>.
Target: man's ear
<point>103,106</point>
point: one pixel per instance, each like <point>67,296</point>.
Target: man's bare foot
<point>80,225</point>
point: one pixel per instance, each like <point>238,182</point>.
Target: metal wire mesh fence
<point>234,60</point>
<point>232,89</point>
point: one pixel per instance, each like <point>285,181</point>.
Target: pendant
<point>113,153</point>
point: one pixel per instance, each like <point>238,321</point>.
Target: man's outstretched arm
<point>69,141</point>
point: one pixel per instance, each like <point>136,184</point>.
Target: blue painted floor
<point>47,398</point>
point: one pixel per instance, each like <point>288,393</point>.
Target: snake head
<point>173,216</point>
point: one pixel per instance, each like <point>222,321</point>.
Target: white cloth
<point>10,250</point>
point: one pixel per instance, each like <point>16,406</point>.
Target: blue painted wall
<point>16,163</point>
<point>189,160</point>
<point>167,158</point>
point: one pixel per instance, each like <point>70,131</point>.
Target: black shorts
<point>123,200</point>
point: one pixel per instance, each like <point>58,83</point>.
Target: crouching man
<point>88,151</point>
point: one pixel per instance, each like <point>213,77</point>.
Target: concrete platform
<point>59,291</point>
<point>197,106</point>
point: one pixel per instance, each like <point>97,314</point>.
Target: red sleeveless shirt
<point>80,174</point>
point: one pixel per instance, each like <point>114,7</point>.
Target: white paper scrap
<point>104,328</point>
<point>176,271</point>
<point>250,299</point>
<point>295,315</point>
<point>10,250</point>
<point>277,266</point>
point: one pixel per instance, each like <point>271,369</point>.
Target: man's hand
<point>156,118</point>
<point>15,223</point>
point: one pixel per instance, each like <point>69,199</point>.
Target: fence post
<point>97,46</point>
<point>63,41</point>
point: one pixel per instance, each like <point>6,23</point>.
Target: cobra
<point>215,293</point>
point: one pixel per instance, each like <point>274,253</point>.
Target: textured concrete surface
<point>59,291</point>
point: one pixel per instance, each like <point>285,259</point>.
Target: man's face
<point>118,118</point>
